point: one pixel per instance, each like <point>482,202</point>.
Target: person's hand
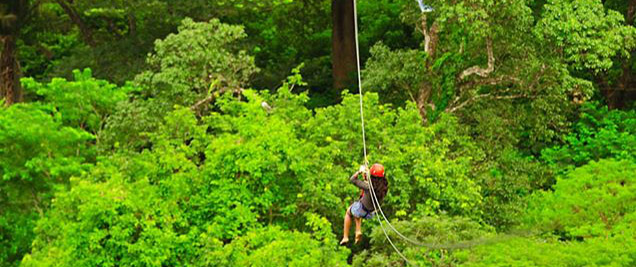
<point>363,169</point>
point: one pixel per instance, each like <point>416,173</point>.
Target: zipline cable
<point>364,144</point>
<point>364,139</point>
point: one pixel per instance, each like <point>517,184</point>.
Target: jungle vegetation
<point>134,133</point>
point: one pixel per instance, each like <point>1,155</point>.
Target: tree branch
<point>487,95</point>
<point>482,72</point>
<point>87,34</point>
<point>430,36</point>
<point>211,97</point>
<point>455,108</point>
<point>36,202</point>
<point>201,102</point>
<point>491,81</point>
<point>132,24</point>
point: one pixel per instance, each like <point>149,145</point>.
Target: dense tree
<point>190,68</point>
<point>43,145</point>
<point>38,154</point>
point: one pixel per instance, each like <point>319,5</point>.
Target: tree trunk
<point>423,100</point>
<point>624,92</point>
<point>431,38</point>
<point>343,58</point>
<point>132,25</point>
<point>9,72</point>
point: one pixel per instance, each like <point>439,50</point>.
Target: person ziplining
<point>363,208</point>
<point>375,188</point>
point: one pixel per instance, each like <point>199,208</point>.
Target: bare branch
<point>455,108</point>
<point>512,96</point>
<point>430,36</point>
<point>203,101</point>
<point>490,81</point>
<point>36,202</point>
<point>412,97</point>
<point>211,98</point>
<point>482,72</point>
<point>488,95</point>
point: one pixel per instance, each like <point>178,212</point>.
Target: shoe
<point>344,242</point>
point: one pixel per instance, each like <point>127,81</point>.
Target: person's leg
<point>347,225</point>
<point>358,229</point>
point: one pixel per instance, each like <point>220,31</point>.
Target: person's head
<point>379,182</point>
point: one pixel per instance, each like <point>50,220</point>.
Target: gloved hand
<point>363,169</point>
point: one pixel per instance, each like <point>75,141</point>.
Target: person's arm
<point>360,184</point>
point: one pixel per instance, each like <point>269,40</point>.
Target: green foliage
<point>505,183</point>
<point>37,154</point>
<point>200,61</point>
<point>112,223</point>
<point>36,147</point>
<point>394,74</point>
<point>243,166</point>
<point>283,36</point>
<point>135,209</point>
<point>380,21</point>
<point>111,37</point>
<point>84,103</point>
<point>587,34</point>
<point>187,166</point>
<point>263,247</point>
<point>599,133</point>
<point>16,228</point>
<point>440,235</point>
<point>591,214</point>
<point>541,252</point>
<point>261,151</point>
<point>124,207</point>
<point>511,113</point>
<point>442,79</point>
<point>184,66</point>
<point>43,55</point>
<point>596,200</point>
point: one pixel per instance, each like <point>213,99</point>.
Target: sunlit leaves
<point>184,65</point>
<point>599,133</point>
<point>586,34</point>
<point>590,201</point>
<point>83,103</point>
<point>37,154</point>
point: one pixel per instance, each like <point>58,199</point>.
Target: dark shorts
<point>358,211</point>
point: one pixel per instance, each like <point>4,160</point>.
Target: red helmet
<point>377,170</point>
